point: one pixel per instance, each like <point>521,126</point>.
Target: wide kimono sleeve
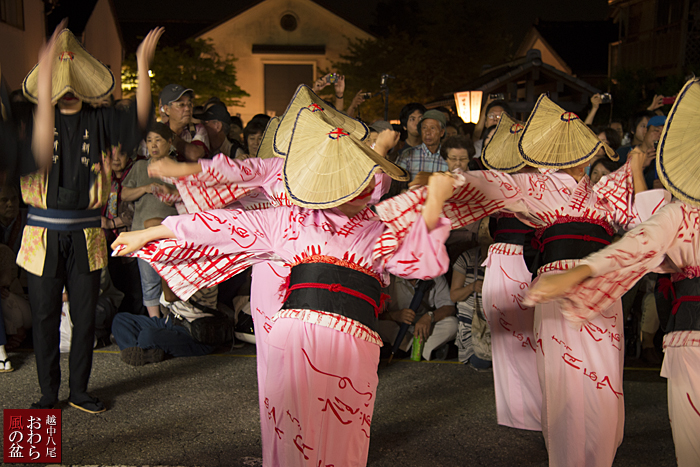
<point>626,209</point>
<point>617,267</point>
<point>224,181</point>
<point>210,247</point>
<point>477,194</point>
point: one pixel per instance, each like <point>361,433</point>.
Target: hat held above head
<point>74,71</point>
<point>556,139</point>
<point>678,154</point>
<point>305,97</point>
<point>502,153</point>
<point>327,166</point>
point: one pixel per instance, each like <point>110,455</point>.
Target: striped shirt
<point>420,159</point>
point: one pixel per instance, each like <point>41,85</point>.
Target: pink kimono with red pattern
<point>580,368</point>
<point>319,385</point>
<point>668,242</point>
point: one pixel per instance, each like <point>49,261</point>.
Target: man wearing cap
<point>426,157</point>
<point>217,123</point>
<point>191,141</point>
<point>63,244</point>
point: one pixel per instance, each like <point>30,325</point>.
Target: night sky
<point>521,14</point>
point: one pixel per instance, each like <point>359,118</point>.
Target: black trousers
<point>45,298</point>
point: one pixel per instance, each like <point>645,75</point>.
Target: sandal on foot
<point>6,366</point>
<point>91,405</point>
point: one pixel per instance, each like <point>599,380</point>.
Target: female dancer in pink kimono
<point>582,414</point>
<point>251,184</point>
<point>668,242</point>
<point>322,351</point>
<point>506,281</point>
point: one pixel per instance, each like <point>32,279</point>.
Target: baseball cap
<point>173,92</point>
<point>381,125</point>
<point>656,120</point>
<point>214,112</point>
<point>434,115</point>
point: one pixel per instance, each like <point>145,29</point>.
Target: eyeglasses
<point>182,105</point>
<point>494,116</point>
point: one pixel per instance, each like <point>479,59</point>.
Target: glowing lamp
<point>469,105</point>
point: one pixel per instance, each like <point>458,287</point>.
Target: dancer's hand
<point>553,286</point>
<point>386,140</point>
<point>128,242</point>
<point>421,179</point>
<point>147,49</point>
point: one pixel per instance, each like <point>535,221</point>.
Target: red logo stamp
<point>32,435</point>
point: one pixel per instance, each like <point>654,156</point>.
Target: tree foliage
<point>194,64</point>
<point>431,48</point>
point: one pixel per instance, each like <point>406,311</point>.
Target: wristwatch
<point>432,317</point>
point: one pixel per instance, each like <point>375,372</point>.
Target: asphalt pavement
<point>203,411</point>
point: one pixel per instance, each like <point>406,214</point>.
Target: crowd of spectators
<point>449,319</point>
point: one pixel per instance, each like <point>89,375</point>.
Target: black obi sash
<point>334,289</point>
<point>511,230</point>
<point>679,302</point>
<point>572,240</point>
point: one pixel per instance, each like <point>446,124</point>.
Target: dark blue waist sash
<point>66,221</point>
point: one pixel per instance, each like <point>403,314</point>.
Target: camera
<point>668,100</point>
<point>366,95</point>
<point>498,97</point>
<point>605,98</point>
<point>331,78</point>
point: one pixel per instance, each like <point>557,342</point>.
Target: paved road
<point>203,412</point>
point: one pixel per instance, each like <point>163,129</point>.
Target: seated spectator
<point>434,321</point>
<point>12,218</point>
<point>217,123</point>
<point>474,336</point>
<point>17,315</point>
<point>458,151</point>
<point>149,210</point>
<point>426,157</point>
<point>252,137</point>
<point>143,339</point>
<point>601,167</point>
<point>191,141</point>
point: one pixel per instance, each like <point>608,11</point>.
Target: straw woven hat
<point>556,139</point>
<point>74,70</point>
<point>305,97</point>
<point>501,153</point>
<point>265,150</point>
<point>678,154</point>
<point>327,166</point>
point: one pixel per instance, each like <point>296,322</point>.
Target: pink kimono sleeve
<point>477,194</point>
<point>421,255</point>
<point>617,267</point>
<point>616,195</point>
<point>224,181</point>
<point>211,247</point>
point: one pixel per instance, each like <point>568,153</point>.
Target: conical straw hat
<point>327,166</point>
<point>265,149</point>
<point>305,97</point>
<point>74,70</point>
<point>678,154</point>
<point>556,139</point>
<point>501,153</point>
